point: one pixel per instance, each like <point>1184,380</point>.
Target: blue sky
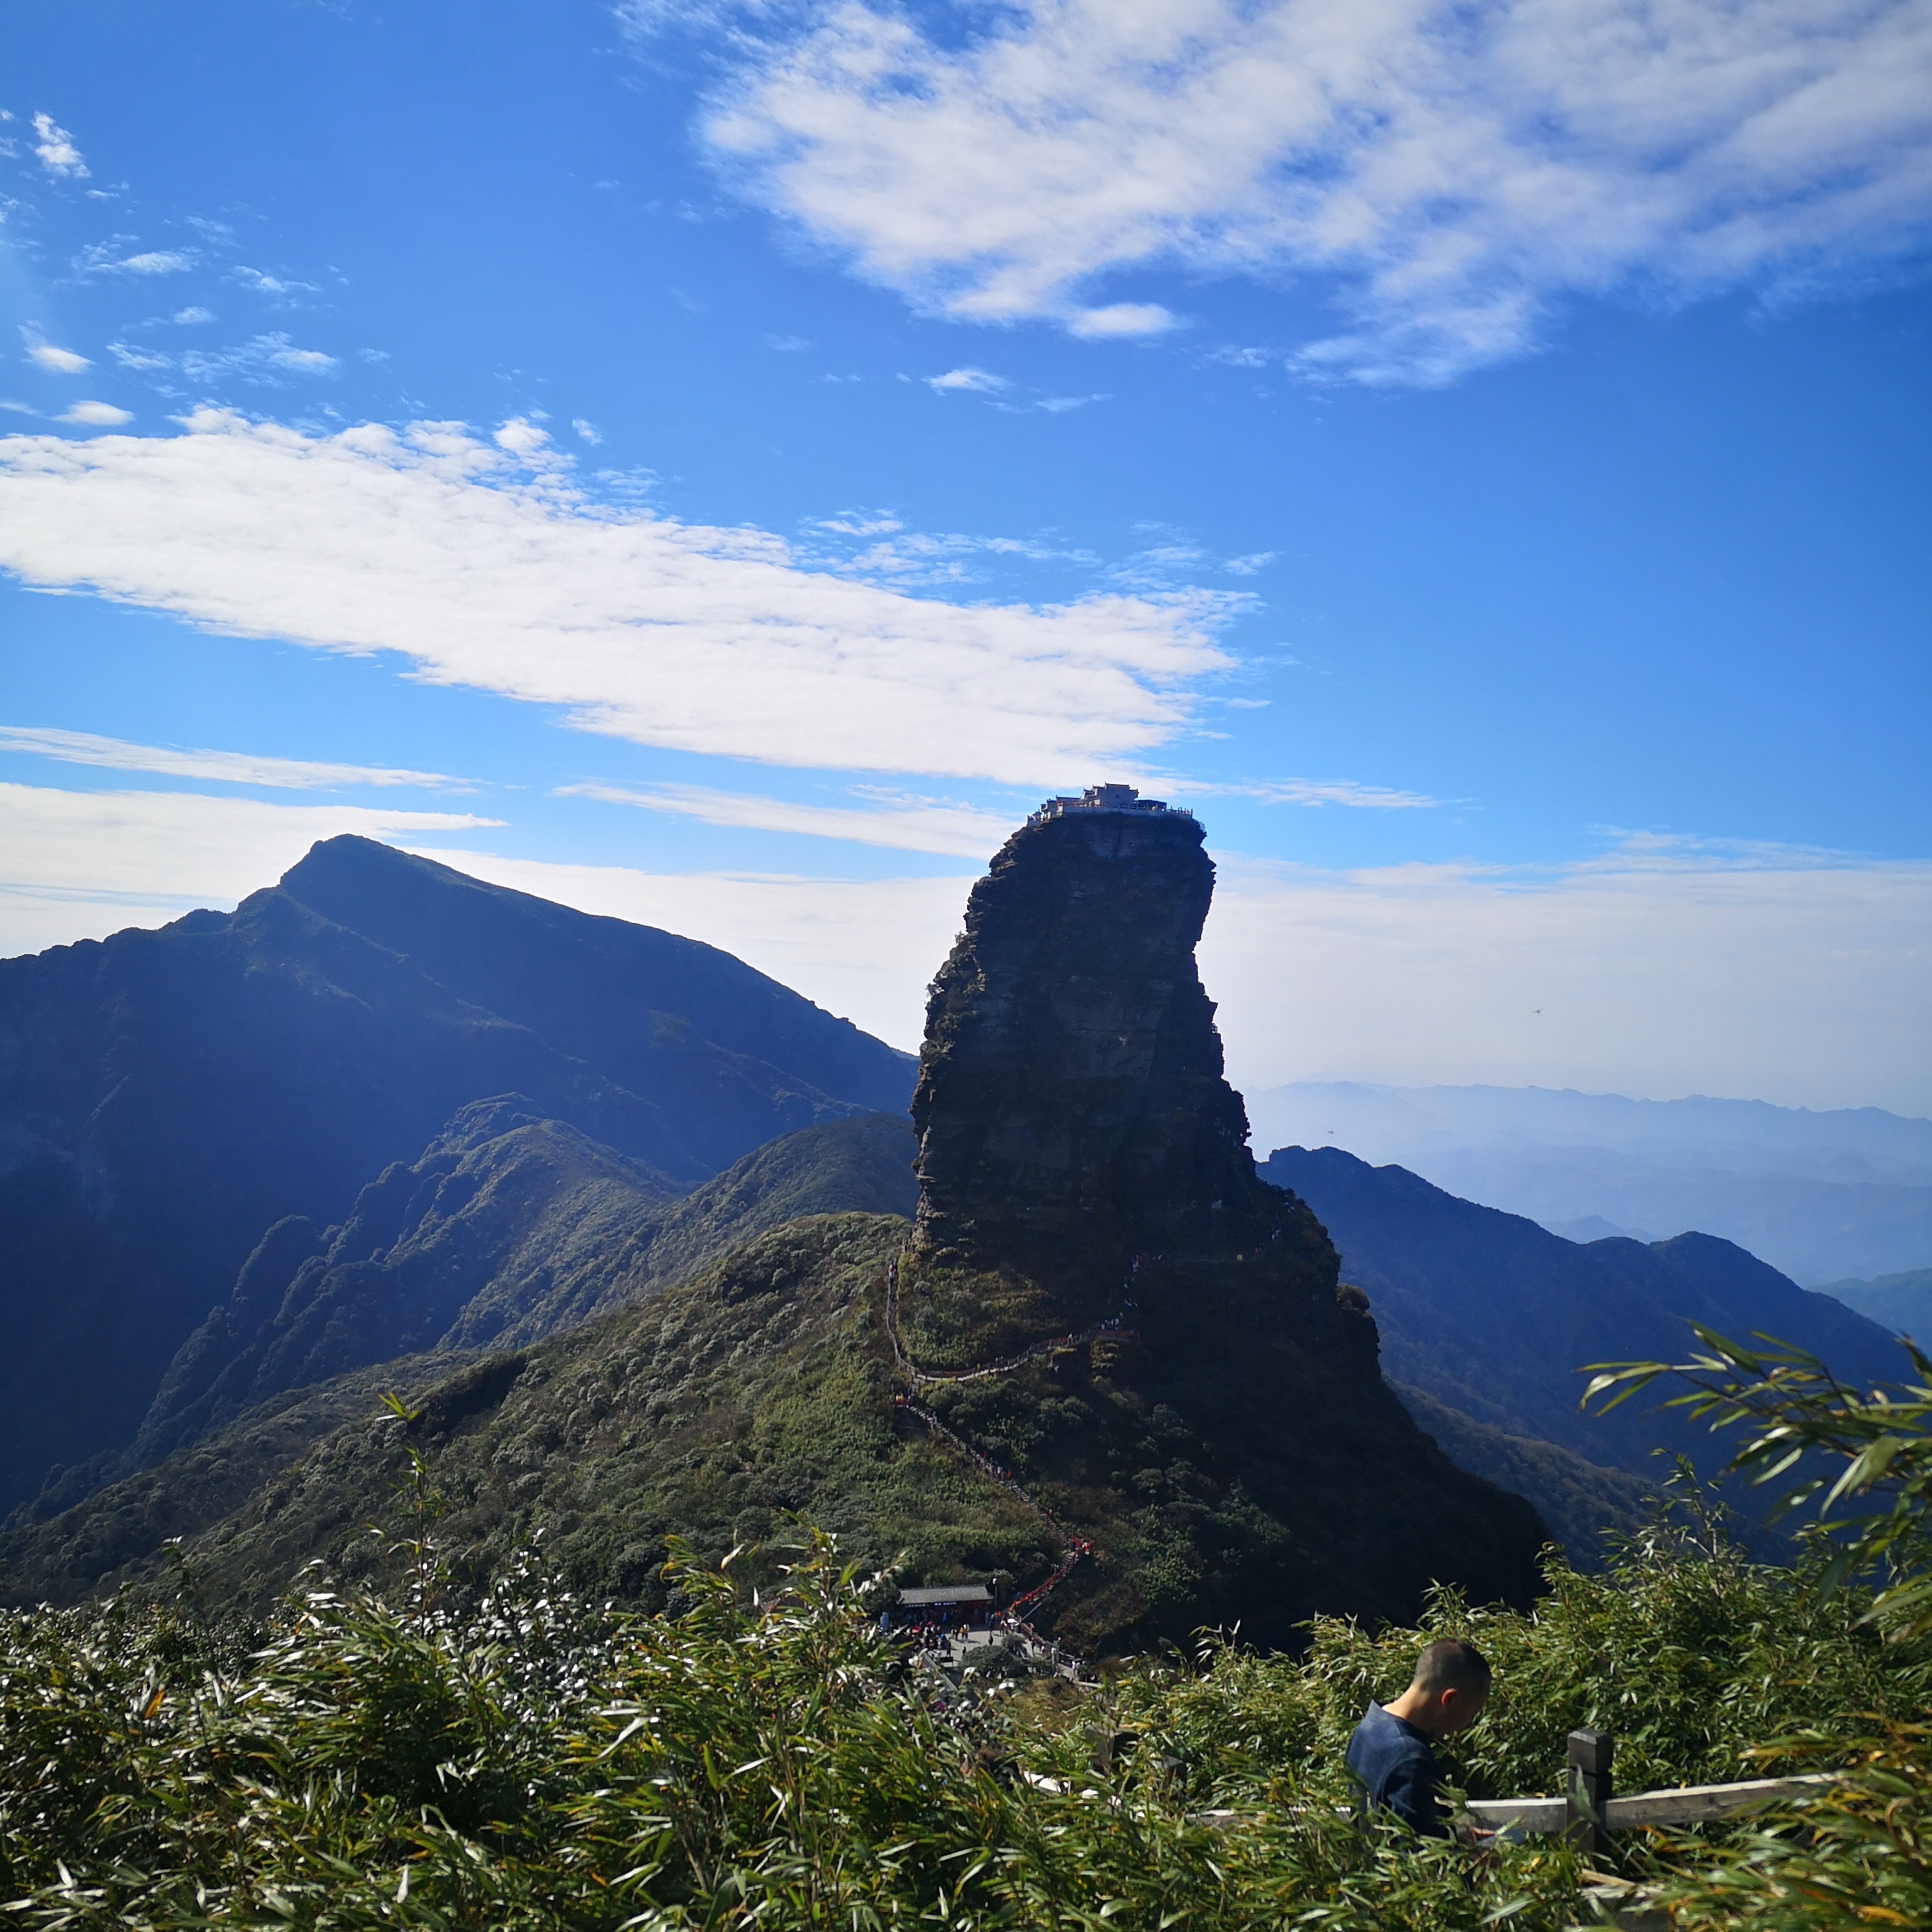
<point>720,465</point>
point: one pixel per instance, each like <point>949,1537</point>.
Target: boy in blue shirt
<point>1390,1751</point>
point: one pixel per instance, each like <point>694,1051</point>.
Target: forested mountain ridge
<point>167,1097</point>
<point>1493,1315</point>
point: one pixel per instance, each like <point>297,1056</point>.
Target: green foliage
<point>1797,1414</point>
<point>763,1759</point>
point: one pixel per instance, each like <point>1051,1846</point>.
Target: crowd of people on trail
<point>931,1630</point>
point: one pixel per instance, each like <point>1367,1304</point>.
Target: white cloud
<point>84,748</point>
<point>1799,983</point>
<point>1121,319</point>
<point>256,361</point>
<point>82,864</point>
<point>521,437</point>
<point>61,361</point>
<point>978,382</point>
<point>57,152</point>
<point>1647,973</point>
<point>1317,791</point>
<point>903,825</point>
<point>130,358</point>
<point>431,544</point>
<point>157,261</point>
<point>104,258</point>
<point>588,431</point>
<point>193,314</point>
<point>1454,170</point>
<point>96,416</point>
<point>265,284</point>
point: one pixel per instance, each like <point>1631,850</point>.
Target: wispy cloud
<point>265,284</point>
<point>117,755</point>
<point>105,258</point>
<point>1321,791</point>
<point>884,551</point>
<point>1121,319</point>
<point>483,571</point>
<point>1452,173</point>
<point>193,315</point>
<point>96,416</point>
<point>60,361</point>
<point>58,153</point>
<point>976,381</point>
<point>262,360</point>
<point>902,824</point>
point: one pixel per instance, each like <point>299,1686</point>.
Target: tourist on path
<point>1390,1752</point>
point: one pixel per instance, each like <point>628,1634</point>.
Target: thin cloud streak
<point>84,748</point>
<point>956,831</point>
<point>482,567</point>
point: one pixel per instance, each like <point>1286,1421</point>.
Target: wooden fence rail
<point>1590,1810</point>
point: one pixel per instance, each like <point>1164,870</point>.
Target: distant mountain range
<point>167,1098</point>
<point>386,1128</point>
<point>1899,1302</point>
<point>1493,1316</point>
<point>1821,1196</point>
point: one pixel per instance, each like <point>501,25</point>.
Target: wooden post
<point>1588,1789</point>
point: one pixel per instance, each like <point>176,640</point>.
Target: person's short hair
<point>1450,1664</point>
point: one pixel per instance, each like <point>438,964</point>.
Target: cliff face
<point>1071,1108</point>
<point>1221,1430</point>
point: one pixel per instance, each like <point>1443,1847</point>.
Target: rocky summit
<point>1071,1109</point>
<point>1101,1293</point>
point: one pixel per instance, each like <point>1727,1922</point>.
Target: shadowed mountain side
<point>166,1096</point>
<point>1494,1316</point>
<point>602,990</point>
<point>1208,1461</point>
<point>1579,1500</point>
<point>509,1228</point>
<point>1902,1303</point>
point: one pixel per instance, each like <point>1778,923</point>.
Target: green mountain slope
<point>510,1227</point>
<point>1204,1457</point>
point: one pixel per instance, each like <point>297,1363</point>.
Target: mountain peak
<point>1071,1106</point>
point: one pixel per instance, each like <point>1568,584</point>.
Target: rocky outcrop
<point>1071,1108</point>
<point>1215,1419</point>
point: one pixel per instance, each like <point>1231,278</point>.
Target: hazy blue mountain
<point>1492,1316</point>
<point>1902,1302</point>
<point>1821,1196</point>
<point>166,1096</point>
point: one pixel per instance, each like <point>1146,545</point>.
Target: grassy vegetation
<point>538,1761</point>
<point>1240,1460</point>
